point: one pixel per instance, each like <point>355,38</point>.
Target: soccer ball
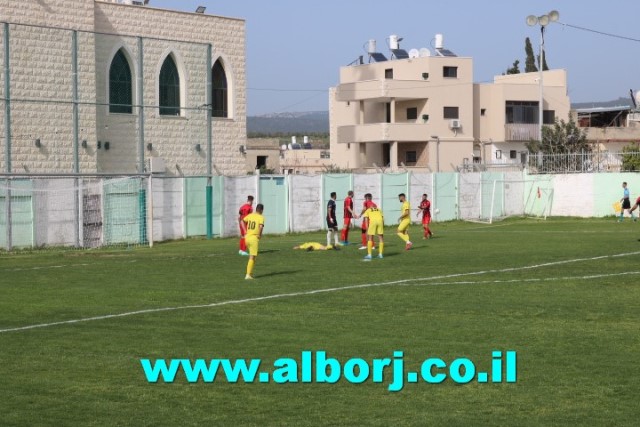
<point>437,211</point>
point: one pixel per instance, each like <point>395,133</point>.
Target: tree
<point>530,62</point>
<point>631,157</point>
<point>545,67</point>
<point>515,68</point>
<point>564,148</point>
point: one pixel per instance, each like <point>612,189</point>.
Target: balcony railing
<point>522,132</point>
<point>384,132</point>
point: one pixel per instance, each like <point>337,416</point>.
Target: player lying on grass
<point>315,246</point>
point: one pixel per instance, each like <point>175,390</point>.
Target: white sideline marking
<point>345,288</point>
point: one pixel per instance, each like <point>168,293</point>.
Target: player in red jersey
<point>245,210</point>
<point>348,215</point>
<point>425,209</point>
<point>368,203</point>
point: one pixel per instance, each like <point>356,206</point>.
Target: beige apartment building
<point>422,110</point>
<point>95,86</point>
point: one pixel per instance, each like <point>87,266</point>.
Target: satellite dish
<point>424,52</point>
<point>532,20</point>
<point>414,53</point>
<point>554,15</point>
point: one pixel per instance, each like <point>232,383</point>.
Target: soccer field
<point>562,294</point>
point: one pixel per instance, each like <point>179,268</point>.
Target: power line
<point>600,32</point>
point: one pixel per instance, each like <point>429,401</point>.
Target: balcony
<point>384,132</point>
<point>383,90</point>
<point>521,132</point>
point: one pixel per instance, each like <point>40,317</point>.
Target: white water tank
<point>439,41</point>
<point>293,140</point>
<point>394,43</point>
<point>371,46</point>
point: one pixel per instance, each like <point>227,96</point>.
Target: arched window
<point>219,91</point>
<point>120,87</point>
<point>169,88</point>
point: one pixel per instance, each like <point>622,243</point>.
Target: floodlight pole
<point>543,21</point>
<point>541,107</point>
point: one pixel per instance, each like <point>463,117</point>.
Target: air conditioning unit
<point>454,124</point>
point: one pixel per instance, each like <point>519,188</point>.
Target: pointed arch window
<point>169,88</point>
<point>220,92</point>
<point>120,85</point>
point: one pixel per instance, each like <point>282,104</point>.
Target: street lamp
<point>543,21</point>
<point>437,138</point>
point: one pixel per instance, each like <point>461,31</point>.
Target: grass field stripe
<point>543,279</point>
<point>303,293</point>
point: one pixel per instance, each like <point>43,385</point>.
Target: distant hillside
<point>604,104</point>
<point>297,123</point>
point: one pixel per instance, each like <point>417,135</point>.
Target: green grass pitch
<point>563,293</point>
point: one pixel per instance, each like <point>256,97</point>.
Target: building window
<point>388,73</point>
<point>548,117</point>
<point>220,93</point>
<point>261,162</point>
<point>513,154</point>
<point>120,85</point>
<point>450,72</point>
<point>169,88</point>
<point>388,112</point>
<point>483,111</point>
<point>522,112</point>
<point>412,113</point>
<point>411,157</point>
<point>451,113</point>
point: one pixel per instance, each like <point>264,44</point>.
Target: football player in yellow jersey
<point>315,246</point>
<point>405,221</point>
<point>254,224</point>
<point>375,228</point>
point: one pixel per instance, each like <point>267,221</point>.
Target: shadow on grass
<point>278,273</point>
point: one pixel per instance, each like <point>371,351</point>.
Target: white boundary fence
<point>96,211</point>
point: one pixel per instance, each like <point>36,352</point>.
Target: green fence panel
<point>274,196</point>
<point>122,207</point>
<point>195,206</point>
<point>22,220</point>
<point>608,190</point>
<point>446,196</point>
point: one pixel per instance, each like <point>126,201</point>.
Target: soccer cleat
<point>243,253</point>
<point>367,258</point>
<point>409,246</point>
<point>248,277</point>
<point>380,256</point>
<point>362,248</point>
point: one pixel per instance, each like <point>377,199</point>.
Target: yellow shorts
<point>404,224</point>
<point>253,244</point>
<point>375,228</point>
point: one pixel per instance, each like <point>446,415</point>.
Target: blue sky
<point>295,48</point>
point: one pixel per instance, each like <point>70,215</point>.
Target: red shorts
<point>347,222</point>
<point>242,230</point>
<point>426,220</point>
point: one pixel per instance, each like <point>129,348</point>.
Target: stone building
<point>94,86</point>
